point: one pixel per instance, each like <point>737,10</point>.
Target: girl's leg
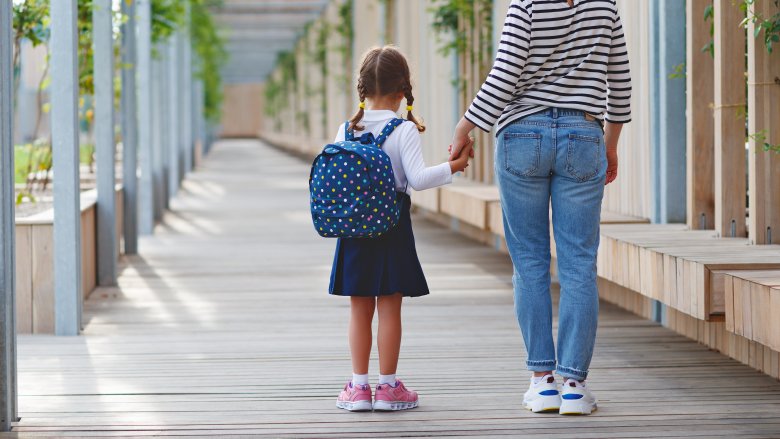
<point>391,394</point>
<point>389,337</point>
<point>360,335</point>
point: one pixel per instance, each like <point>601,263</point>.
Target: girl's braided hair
<point>384,71</point>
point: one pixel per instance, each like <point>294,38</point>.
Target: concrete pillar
<point>668,103</point>
<point>7,227</point>
<point>105,144</point>
<point>129,130</point>
<point>145,186</point>
<point>65,147</point>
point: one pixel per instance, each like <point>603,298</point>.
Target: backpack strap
<point>349,136</point>
<point>387,130</point>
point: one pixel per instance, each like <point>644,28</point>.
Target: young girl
<point>376,273</point>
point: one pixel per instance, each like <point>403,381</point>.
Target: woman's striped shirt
<point>554,55</point>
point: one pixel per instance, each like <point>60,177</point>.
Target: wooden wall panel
<point>700,124</point>
<point>764,121</point>
<point>340,106</point>
<point>432,75</point>
<point>300,123</point>
<point>316,91</point>
<point>368,30</point>
<point>729,108</point>
<point>631,193</point>
<point>242,110</point>
<point>24,279</point>
<point>88,251</point>
<point>43,279</point>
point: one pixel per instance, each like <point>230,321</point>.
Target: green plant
<point>167,17</point>
<point>678,72</point>
<point>30,22</point>
<point>709,16</point>
<point>211,54</point>
<point>464,27</point>
<point>278,90</point>
<point>770,26</point>
<point>321,58</point>
<point>446,19</point>
<point>346,29</point>
<point>761,139</point>
<point>33,163</point>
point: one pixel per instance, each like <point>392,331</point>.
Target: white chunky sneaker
<point>576,399</point>
<point>543,396</point>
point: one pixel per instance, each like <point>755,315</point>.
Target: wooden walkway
<point>223,327</point>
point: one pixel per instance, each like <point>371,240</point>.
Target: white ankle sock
<point>387,379</point>
<point>537,380</point>
<point>360,379</point>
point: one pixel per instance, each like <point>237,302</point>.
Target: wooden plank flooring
<point>223,327</point>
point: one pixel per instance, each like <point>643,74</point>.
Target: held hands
<point>461,139</point>
<point>462,147</point>
<point>461,162</point>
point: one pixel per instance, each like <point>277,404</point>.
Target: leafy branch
<point>761,139</point>
<point>770,26</point>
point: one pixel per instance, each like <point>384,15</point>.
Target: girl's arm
<point>418,175</point>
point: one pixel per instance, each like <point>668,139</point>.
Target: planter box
<point>35,263</point>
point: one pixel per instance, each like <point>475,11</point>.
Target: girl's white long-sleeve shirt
<point>404,147</point>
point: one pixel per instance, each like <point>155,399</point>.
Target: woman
<point>559,92</point>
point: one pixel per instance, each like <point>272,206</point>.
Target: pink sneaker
<point>391,398</point>
<point>355,398</point>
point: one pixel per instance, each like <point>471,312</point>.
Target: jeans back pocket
<point>522,153</point>
<point>583,156</point>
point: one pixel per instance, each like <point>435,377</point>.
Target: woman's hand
<point>611,137</point>
<point>462,161</point>
<point>612,165</point>
<point>462,139</point>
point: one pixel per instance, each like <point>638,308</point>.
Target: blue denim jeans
<point>556,156</point>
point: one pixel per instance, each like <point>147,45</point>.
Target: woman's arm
<point>618,76</point>
<point>619,96</point>
<point>498,89</point>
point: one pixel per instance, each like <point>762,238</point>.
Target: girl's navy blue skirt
<point>381,266</point>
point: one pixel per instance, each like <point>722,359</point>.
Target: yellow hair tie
<point>362,105</point>
<point>409,107</point>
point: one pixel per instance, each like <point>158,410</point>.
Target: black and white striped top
<point>553,55</point>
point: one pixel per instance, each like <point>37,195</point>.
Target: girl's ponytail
<point>353,123</point>
<point>410,106</point>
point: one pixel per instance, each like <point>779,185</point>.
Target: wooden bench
<point>753,305</point>
<point>479,205</point>
<point>35,308</point>
<point>684,269</point>
<point>470,203</point>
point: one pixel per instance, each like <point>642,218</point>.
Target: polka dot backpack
<point>352,187</point>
